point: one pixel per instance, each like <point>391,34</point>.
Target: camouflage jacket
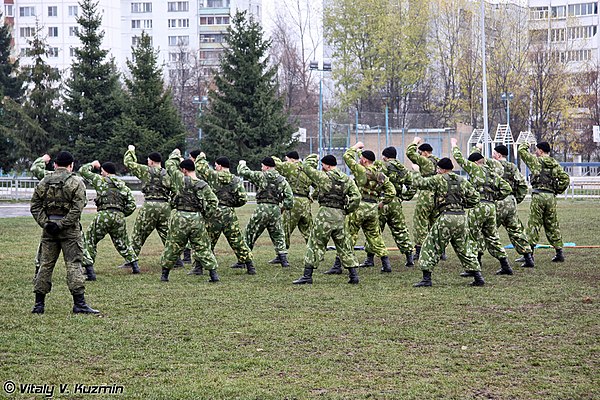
<point>439,185</point>
<point>38,168</point>
<point>400,177</point>
<point>101,185</point>
<point>384,189</point>
<point>427,165</point>
<point>259,179</point>
<point>219,180</point>
<point>323,182</point>
<point>295,175</point>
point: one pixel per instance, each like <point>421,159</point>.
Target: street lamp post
<point>200,100</point>
<point>387,125</point>
<point>314,66</point>
<point>507,97</point>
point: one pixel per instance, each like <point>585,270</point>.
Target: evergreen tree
<point>152,122</point>
<point>245,118</point>
<point>94,98</point>
<point>10,83</point>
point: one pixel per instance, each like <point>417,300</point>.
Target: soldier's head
<point>477,158</point>
<point>292,156</point>
<point>222,163</point>
<point>194,154</point>
<point>328,162</point>
<point>108,168</point>
<point>444,166</point>
<point>500,152</point>
<point>425,149</point>
<point>154,159</point>
<point>367,157</point>
<point>542,149</point>
<point>267,163</point>
<point>64,159</point>
<point>389,153</point>
<point>187,167</point>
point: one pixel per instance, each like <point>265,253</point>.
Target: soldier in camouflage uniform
<point>451,194</point>
<point>56,206</point>
<point>192,202</point>
<point>547,180</point>
<point>230,191</point>
<point>338,195</point>
<point>300,215</point>
<point>38,170</point>
<point>377,191</point>
<point>272,192</point>
<point>114,202</point>
<point>424,215</point>
<point>483,230</point>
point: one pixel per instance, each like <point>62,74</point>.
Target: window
<point>180,56</point>
<point>559,12</point>
<point>583,9</point>
<point>136,23</point>
<point>179,40</point>
<point>27,11</point>
<point>53,11</point>
<point>557,35</point>
<point>141,7</point>
<point>583,32</point>
<point>219,20</point>
<point>209,54</point>
<point>72,51</point>
<point>147,24</point>
<point>179,23</point>
<point>214,3</point>
<point>135,40</point>
<point>73,30</point>
<point>53,31</point>
<point>8,10</point>
<point>73,11</point>
<point>53,52</point>
<point>175,6</point>
<point>212,38</point>
<point>26,51</point>
<point>27,31</point>
<point>538,12</point>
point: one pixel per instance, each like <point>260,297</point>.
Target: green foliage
<point>245,118</point>
<point>10,83</point>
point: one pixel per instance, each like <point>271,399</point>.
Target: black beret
<point>293,154</point>
<point>156,157</point>
<point>501,149</point>
<point>543,146</point>
<point>445,163</point>
<point>195,153</point>
<point>329,160</point>
<point>475,157</point>
<point>369,155</point>
<point>109,167</point>
<point>425,147</point>
<point>389,152</point>
<point>223,162</point>
<point>268,161</point>
<point>63,159</point>
<point>187,164</point>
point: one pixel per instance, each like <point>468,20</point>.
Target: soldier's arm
<point>411,153</point>
<point>210,199</point>
<point>504,188</point>
<point>288,196</point>
<point>256,177</point>
<point>389,192</point>
<point>354,196</point>
<point>77,188</point>
<point>529,159</point>
<point>471,195</point>
<point>172,167</point>
<point>429,183</point>
<point>359,172</point>
<point>37,205</point>
<point>312,160</point>
<point>204,171</point>
<point>38,168</point>
<point>94,179</point>
<point>521,189</point>
<point>130,205</point>
<point>139,170</point>
<point>317,177</point>
<point>409,190</point>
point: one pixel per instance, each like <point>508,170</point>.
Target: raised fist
<point>46,158</point>
<point>242,163</point>
<point>131,147</point>
<point>453,142</point>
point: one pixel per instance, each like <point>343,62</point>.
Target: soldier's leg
<point>421,220</point>
<point>162,222</point>
<point>344,249</point>
<point>50,250</point>
<point>397,224</point>
<point>317,242</point>
<point>438,238</point>
<point>463,246</point>
<point>37,259</point>
<point>118,234</point>
<point>516,232</point>
<point>94,234</point>
<point>370,227</point>
<point>201,246</point>
<point>275,229</point>
<point>288,225</point>
<point>255,226</point>
<point>551,226</point>
<point>176,241</point>
<point>490,233</point>
<point>354,222</point>
<point>305,220</point>
<point>536,219</point>
<point>233,234</point>
<point>73,254</point>
<point>214,229</point>
<point>142,228</point>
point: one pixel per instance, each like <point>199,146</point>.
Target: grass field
<point>534,335</point>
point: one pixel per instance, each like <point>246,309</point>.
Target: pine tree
<point>94,98</point>
<point>152,119</point>
<point>10,83</point>
<point>245,118</point>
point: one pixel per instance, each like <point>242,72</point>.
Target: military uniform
<point>38,170</point>
<point>193,199</point>
<point>114,201</point>
<point>156,210</point>
<point>272,192</point>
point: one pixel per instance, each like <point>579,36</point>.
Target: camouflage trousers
<point>506,215</point>
<point>70,242</point>
<point>329,223</point>
<point>225,221</point>
<point>392,215</point>
<point>424,215</point>
<point>152,215</point>
<point>367,218</point>
<point>299,216</point>
<point>449,228</point>
<point>543,214</point>
<point>483,231</point>
<point>266,216</point>
<point>110,223</point>
<point>184,227</point>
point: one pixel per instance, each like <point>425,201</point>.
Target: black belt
<point>300,195</point>
<point>266,202</point>
<point>487,201</point>
<point>454,212</point>
<point>110,209</point>
<point>534,191</point>
<point>188,210</point>
<point>369,200</point>
<point>156,201</point>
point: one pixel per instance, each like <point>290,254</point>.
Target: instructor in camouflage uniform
<point>273,192</point>
<point>193,200</point>
<point>547,179</point>
<point>338,195</point>
<point>56,206</point>
<point>114,202</point>
<point>451,195</point>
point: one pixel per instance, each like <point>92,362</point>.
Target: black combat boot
<point>38,307</point>
<point>369,261</point>
<point>385,264</point>
<point>353,275</point>
<point>478,279</point>
<point>214,277</point>
<point>80,306</point>
<point>178,263</point>
<point>336,269</point>
<point>505,269</point>
<point>135,268</point>
<point>306,277</point>
<point>250,270</point>
<point>197,270</point>
<point>417,252</point>
<point>426,281</point>
<point>187,256</point>
<point>443,257</point>
<point>410,262</point>
<point>528,258</point>
<point>466,274</point>
<point>276,260</point>
<point>524,259</point>
<point>164,277</point>
<point>238,265</point>
<point>559,257</point>
<point>284,261</point>
<point>90,275</point>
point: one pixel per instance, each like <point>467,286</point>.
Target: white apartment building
<point>177,28</point>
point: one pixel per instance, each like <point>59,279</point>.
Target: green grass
<point>534,335</point>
